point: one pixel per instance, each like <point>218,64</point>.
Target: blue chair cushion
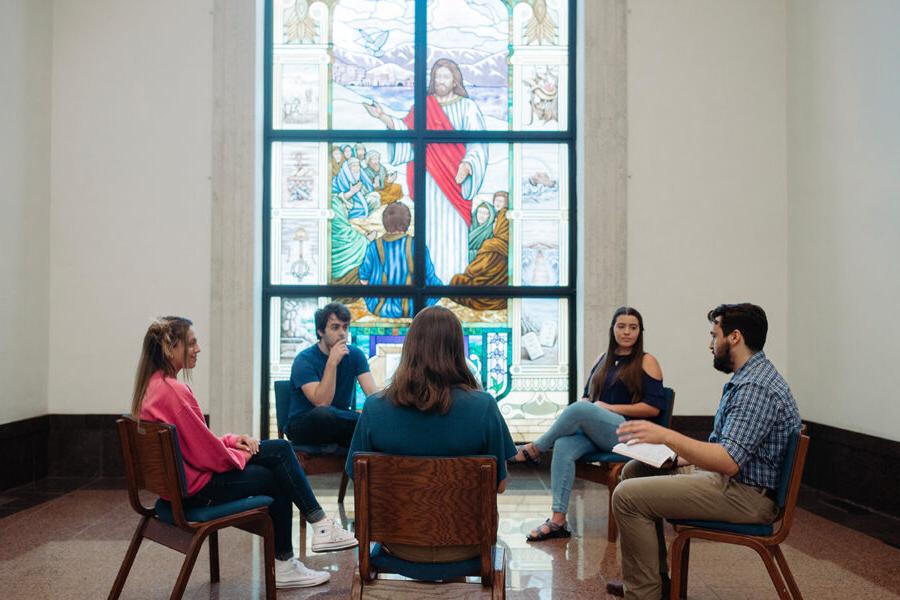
<point>320,449</point>
<point>606,457</point>
<point>761,529</point>
<point>216,511</point>
<point>385,563</point>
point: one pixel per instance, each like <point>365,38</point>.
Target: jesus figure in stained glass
<point>453,172</point>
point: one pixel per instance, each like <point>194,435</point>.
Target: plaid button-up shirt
<point>756,415</point>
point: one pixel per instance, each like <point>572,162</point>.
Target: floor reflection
<point>71,547</point>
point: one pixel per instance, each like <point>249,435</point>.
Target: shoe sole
<point>332,546</point>
<point>303,584</point>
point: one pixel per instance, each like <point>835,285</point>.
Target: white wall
<point>707,213</point>
<point>844,218</point>
<point>24,205</point>
<point>130,182</point>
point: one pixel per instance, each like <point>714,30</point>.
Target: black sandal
<point>556,531</point>
<point>534,461</point>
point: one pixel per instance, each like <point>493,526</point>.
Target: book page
<point>654,455</point>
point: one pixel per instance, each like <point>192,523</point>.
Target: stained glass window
<point>420,152</point>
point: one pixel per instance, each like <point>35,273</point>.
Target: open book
<point>655,455</point>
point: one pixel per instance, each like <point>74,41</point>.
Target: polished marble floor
<point>70,546</point>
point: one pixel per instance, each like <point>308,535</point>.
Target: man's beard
<point>442,90</point>
<point>723,362</point>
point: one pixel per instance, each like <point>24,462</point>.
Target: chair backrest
<point>791,474</point>
<point>664,417</point>
<point>282,404</point>
<point>426,501</point>
<point>153,462</point>
<point>787,466</point>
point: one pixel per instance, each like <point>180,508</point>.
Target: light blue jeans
<point>582,428</point>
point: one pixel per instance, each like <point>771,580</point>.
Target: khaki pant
<point>647,495</point>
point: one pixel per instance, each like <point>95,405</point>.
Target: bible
<point>655,455</point>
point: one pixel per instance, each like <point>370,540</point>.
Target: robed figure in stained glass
<point>453,172</point>
<point>490,265</point>
<point>389,261</point>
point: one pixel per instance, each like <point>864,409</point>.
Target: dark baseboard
<point>24,445</point>
<point>79,446</point>
<point>84,446</point>
<point>856,467</point>
<point>853,466</point>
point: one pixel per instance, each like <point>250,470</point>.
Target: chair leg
<point>786,572</point>
<point>356,589</point>
<point>681,552</point>
<point>772,568</point>
<point>685,564</point>
<point>187,566</point>
<point>268,535</point>
<point>612,480</point>
<point>498,591</point>
<point>343,490</point>
<point>214,557</point>
<point>612,530</point>
<point>132,551</point>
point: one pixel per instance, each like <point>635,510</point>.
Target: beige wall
<point>24,206</point>
<point>844,219</point>
<point>130,181</point>
<point>707,205</point>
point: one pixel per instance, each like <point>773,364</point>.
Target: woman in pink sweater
<point>222,469</point>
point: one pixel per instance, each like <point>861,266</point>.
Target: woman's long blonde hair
<point>159,343</point>
<point>432,363</point>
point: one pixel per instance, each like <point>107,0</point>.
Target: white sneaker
<point>328,536</point>
<point>294,574</point>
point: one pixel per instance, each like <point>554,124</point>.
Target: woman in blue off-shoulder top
<point>625,383</point>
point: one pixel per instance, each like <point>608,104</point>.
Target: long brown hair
<point>161,338</point>
<point>631,373</point>
<point>433,361</point>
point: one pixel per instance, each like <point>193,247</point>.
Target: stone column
<point>602,172</point>
<point>236,216</point>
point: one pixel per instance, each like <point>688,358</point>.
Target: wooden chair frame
<point>767,547</point>
<point>450,500</point>
<point>315,464</point>
<point>151,463</point>
<point>608,474</point>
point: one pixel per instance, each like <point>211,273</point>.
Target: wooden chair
<point>764,538</point>
<point>314,458</point>
<point>153,463</point>
<point>426,502</point>
<point>605,467</point>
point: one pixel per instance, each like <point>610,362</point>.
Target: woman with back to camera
<point>625,383</point>
<point>231,467</point>
<point>432,407</point>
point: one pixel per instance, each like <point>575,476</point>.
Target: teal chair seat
<point>385,563</point>
<point>201,514</point>
<point>604,457</point>
<point>740,528</point>
<point>320,449</point>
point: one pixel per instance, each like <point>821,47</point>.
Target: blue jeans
<point>582,428</point>
<point>273,471</point>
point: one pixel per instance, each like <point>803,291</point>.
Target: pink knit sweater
<point>170,401</point>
